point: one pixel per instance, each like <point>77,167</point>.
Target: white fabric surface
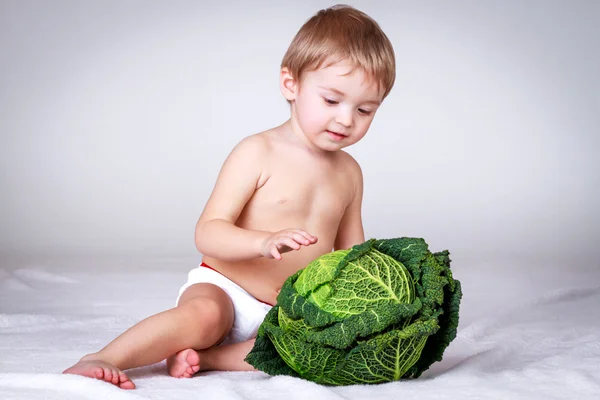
<point>530,329</point>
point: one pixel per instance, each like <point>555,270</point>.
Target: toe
<point>115,378</point>
<point>128,385</point>
<point>195,368</point>
<point>99,372</point>
<point>123,381</point>
<point>108,375</point>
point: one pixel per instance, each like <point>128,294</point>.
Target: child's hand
<point>286,240</point>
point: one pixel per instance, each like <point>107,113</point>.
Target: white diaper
<point>249,312</point>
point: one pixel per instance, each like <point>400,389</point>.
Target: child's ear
<point>287,84</point>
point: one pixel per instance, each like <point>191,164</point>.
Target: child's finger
<point>301,239</point>
<point>275,253</point>
<point>307,235</point>
<point>290,242</point>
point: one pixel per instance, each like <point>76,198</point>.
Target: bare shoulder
<point>250,157</point>
<point>255,146</point>
<point>349,164</point>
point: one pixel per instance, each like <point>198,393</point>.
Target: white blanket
<point>528,330</point>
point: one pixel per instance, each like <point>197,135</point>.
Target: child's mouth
<point>335,136</point>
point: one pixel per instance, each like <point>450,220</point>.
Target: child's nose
<point>344,117</point>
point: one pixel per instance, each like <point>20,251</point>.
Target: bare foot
<point>184,364</point>
<point>100,370</point>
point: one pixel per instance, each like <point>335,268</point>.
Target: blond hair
<point>342,33</point>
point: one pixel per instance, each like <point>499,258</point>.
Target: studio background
<point>115,118</point>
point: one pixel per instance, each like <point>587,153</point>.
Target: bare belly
<point>264,277</point>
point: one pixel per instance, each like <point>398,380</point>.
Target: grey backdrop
<point>115,117</point>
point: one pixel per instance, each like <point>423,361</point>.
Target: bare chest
<point>294,195</point>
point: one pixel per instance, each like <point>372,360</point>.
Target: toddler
<point>283,197</point>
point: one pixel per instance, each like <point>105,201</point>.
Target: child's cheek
<point>312,117</point>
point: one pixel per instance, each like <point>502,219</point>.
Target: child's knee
<point>213,312</point>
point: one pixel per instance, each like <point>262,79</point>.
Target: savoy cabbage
<point>381,311</point>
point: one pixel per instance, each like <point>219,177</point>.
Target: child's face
<point>334,106</point>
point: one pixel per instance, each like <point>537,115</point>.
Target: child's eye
<point>329,101</point>
<point>364,112</point>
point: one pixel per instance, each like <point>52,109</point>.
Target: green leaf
<point>382,311</point>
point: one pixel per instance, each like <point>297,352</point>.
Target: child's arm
<point>350,232</point>
<point>216,233</point>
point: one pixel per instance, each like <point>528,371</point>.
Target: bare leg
<point>203,318</point>
<point>227,358</point>
<point>218,358</point>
